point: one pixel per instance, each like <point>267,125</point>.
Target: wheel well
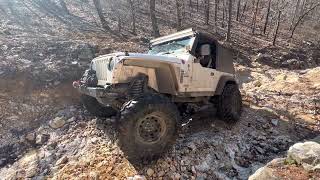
<point>222,83</point>
<point>230,82</point>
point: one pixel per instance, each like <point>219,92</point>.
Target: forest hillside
<point>45,45</point>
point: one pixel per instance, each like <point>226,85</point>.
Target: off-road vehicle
<point>146,91</point>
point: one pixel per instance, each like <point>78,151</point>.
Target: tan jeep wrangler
<point>146,90</point>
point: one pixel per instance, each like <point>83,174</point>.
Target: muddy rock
<point>31,136</point>
<point>150,172</point>
<point>274,122</point>
<point>57,122</point>
<point>42,138</point>
<point>62,160</point>
<point>161,173</point>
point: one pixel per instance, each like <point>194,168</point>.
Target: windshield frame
<point>191,43</point>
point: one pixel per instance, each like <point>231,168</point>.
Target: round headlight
<point>111,64</point>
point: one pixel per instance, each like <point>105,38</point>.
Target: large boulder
<point>264,173</point>
<point>305,153</point>
<point>267,172</point>
<point>264,59</point>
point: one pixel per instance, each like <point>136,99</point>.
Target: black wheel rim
<point>151,128</point>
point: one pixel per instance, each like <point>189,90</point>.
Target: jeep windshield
<point>174,46</point>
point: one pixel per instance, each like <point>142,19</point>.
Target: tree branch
<point>301,17</point>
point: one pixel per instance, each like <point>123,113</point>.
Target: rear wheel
<point>95,108</point>
<point>147,127</point>
<point>230,103</point>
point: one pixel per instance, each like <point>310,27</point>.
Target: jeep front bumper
<point>97,92</point>
<point>105,95</point>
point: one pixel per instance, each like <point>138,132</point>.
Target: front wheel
<point>147,126</point>
<point>230,103</point>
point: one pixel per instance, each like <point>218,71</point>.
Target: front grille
<point>103,73</point>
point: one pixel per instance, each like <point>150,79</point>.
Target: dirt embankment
<point>36,75</point>
<point>35,82</point>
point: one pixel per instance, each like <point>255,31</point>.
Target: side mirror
<point>205,50</point>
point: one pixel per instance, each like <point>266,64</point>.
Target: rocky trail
<point>74,144</point>
<point>45,133</point>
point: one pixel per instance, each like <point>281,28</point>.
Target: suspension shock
<point>138,86</point>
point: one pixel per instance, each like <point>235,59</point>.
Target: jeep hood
<point>168,58</point>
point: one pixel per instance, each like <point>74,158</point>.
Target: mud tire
<point>135,147</point>
<point>230,103</point>
<point>95,108</point>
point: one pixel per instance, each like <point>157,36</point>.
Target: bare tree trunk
<point>223,12</point>
<point>119,24</point>
<point>216,8</point>
<point>179,19</point>
<point>183,10</point>
<point>207,11</point>
<point>295,13</point>
<point>238,10</point>
<point>244,10</point>
<point>133,15</point>
<point>98,7</point>
<point>277,29</point>
<point>49,9</point>
<point>301,17</point>
<point>197,5</point>
<point>255,17</point>
<point>267,18</point>
<point>229,21</point>
<point>155,28</point>
<point>64,6</point>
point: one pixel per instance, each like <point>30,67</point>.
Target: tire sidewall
<point>230,96</point>
<point>139,108</point>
